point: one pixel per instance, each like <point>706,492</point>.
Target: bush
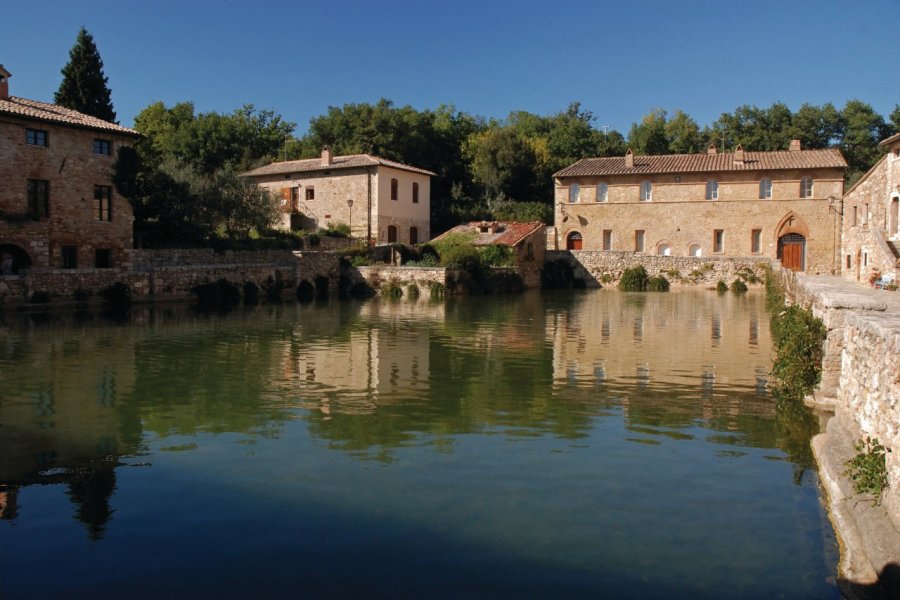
<point>634,279</point>
<point>868,469</point>
<point>464,257</point>
<point>738,286</point>
<point>747,274</point>
<point>721,286</point>
<point>798,338</point>
<point>338,230</point>
<point>658,284</point>
<point>437,291</point>
<point>498,256</point>
<point>427,260</point>
<point>391,289</point>
<point>412,291</point>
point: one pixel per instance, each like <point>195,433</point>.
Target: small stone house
<point>58,206</point>
<point>382,201</point>
<point>870,237</point>
<point>779,205</point>
<point>527,240</point>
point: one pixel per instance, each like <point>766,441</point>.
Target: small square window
<point>310,193</point>
<point>102,147</point>
<point>36,137</point>
<point>102,258</point>
<point>69,255</point>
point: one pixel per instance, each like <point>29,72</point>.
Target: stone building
<point>528,242</point>
<point>782,205</point>
<point>58,207</point>
<point>870,238</point>
<point>381,200</point>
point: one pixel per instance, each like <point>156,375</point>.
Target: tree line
<point>183,176</point>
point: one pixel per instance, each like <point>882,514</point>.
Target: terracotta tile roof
<point>338,162</point>
<point>702,163</point>
<point>890,140</point>
<point>51,113</point>
<point>507,233</point>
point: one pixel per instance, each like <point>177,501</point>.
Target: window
<point>102,147</point>
<point>39,198</point>
<point>865,213</point>
<point>36,137</point>
<point>574,193</point>
<point>854,221</point>
<point>755,237</point>
<point>392,233</point>
<point>695,250</point>
<point>413,234</point>
<point>806,187</point>
<point>607,239</point>
<point>529,251</point>
<point>310,193</point>
<point>848,261</point>
<point>718,240</point>
<point>639,240</point>
<point>602,192</point>
<point>664,250</point>
<point>69,257</point>
<point>102,258</point>
<point>646,191</point>
<point>765,188</point>
<point>712,190</point>
<point>415,194</point>
<point>102,202</point>
<point>394,186</point>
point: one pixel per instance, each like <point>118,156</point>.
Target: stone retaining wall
<point>598,267</point>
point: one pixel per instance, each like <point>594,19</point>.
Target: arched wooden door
<point>573,241</point>
<point>792,251</point>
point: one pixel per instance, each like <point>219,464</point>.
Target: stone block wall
<point>423,277</point>
<point>605,267</point>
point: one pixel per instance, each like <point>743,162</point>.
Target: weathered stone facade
<point>870,235</point>
<point>58,207</point>
<point>598,268</point>
<point>379,200</point>
<point>705,205</point>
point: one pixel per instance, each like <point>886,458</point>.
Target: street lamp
<point>350,208</point>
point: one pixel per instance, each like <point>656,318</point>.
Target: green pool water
<point>570,444</point>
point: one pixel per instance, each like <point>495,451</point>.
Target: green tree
<point>503,164</point>
<point>864,129</point>
<point>84,86</point>
<point>895,118</point>
<point>683,134</point>
<point>817,126</point>
<point>649,136</point>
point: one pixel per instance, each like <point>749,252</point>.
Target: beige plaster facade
<point>871,231</point>
<point>381,201</point>
<point>58,206</point>
<point>706,205</point>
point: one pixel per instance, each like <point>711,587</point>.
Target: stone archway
<point>13,259</point>
<point>792,234</point>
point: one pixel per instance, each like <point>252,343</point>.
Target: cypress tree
<point>83,87</point>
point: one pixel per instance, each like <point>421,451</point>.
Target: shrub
<point>721,286</point>
<point>437,291</point>
<point>798,338</point>
<point>360,261</point>
<point>747,274</point>
<point>658,284</point>
<point>868,469</point>
<point>738,286</point>
<point>427,260</point>
<point>412,291</point>
<point>339,230</point>
<point>634,279</point>
<point>391,289</point>
<point>498,256</point>
<point>464,257</point>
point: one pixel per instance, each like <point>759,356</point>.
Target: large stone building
<point>871,232</point>
<point>58,207</point>
<point>381,200</point>
<point>782,205</point>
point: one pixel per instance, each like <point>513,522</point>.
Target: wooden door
<point>792,251</point>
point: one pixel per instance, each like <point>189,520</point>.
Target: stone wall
<point>172,274</point>
<point>423,277</point>
<point>606,267</point>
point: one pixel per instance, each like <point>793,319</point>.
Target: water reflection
<point>474,389</point>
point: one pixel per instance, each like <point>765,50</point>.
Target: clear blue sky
<point>620,59</point>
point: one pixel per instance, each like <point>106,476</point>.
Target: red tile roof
<point>338,162</point>
<point>51,113</point>
<point>506,233</point>
<point>704,163</point>
<point>890,140</point>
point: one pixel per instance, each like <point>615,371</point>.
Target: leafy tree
<point>683,134</point>
<point>84,86</point>
<point>649,136</point>
<point>864,129</point>
<point>817,126</point>
<point>895,118</point>
<point>503,164</point>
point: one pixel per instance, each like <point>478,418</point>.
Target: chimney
<point>795,145</point>
<point>326,156</point>
<point>4,83</point>
<point>739,155</point>
<point>629,159</point>
<point>711,149</point>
